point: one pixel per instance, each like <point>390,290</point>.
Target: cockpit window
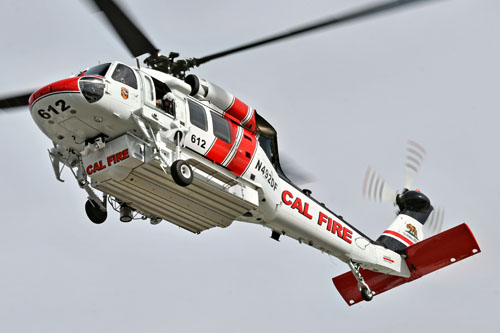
<point>98,70</point>
<point>125,75</point>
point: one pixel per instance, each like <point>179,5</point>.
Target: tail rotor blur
<point>435,222</point>
<point>415,154</point>
<point>376,189</point>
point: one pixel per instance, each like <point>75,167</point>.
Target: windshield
<point>100,70</point>
<point>125,75</point>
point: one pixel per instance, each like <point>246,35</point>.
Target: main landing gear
<point>364,289</point>
<point>180,169</point>
<point>181,173</point>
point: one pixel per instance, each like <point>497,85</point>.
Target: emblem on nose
<point>125,93</point>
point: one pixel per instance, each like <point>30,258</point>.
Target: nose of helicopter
<point>62,86</point>
<point>67,111</point>
<point>91,87</point>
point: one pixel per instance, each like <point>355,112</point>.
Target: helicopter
<point>174,147</point>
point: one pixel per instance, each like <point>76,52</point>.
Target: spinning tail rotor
<point>415,154</point>
<point>436,219</point>
<point>375,188</point>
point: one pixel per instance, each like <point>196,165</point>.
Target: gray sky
<point>341,100</point>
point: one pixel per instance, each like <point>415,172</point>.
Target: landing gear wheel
<point>94,213</point>
<point>366,294</point>
<point>182,173</point>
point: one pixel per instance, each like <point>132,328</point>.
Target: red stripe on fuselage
<point>252,124</point>
<point>70,84</point>
<point>398,235</point>
<point>239,111</point>
<point>221,148</point>
<point>244,154</point>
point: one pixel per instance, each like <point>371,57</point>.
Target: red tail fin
<point>423,258</point>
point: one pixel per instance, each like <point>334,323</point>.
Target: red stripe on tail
<point>398,235</point>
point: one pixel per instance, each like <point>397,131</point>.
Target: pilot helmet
<point>168,97</point>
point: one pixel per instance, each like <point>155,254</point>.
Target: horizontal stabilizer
<point>423,258</point>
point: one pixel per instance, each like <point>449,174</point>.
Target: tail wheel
<point>182,173</point>
<point>94,213</point>
<point>366,294</point>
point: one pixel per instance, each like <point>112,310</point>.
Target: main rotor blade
<point>291,169</point>
<point>15,101</point>
<point>324,23</point>
<point>137,43</point>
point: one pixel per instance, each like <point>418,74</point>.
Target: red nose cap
<point>66,85</point>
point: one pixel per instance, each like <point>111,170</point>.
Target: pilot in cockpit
<point>167,103</point>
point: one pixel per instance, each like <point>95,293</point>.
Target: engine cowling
<point>232,107</point>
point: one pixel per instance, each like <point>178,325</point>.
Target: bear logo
<point>412,230</point>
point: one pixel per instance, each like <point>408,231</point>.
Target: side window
<point>125,75</point>
<point>197,115</point>
<point>221,128</point>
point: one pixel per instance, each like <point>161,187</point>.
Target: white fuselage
<point>234,178</point>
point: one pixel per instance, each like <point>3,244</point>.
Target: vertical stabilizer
<point>407,228</point>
